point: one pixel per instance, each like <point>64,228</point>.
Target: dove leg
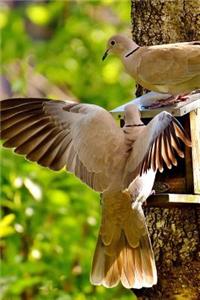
<point>152,192</point>
<point>145,202</point>
<point>169,101</point>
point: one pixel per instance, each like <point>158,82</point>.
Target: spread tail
<point>124,253</point>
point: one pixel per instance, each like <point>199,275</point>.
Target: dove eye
<point>112,43</point>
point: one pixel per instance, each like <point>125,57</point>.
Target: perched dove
<point>118,162</point>
<point>171,68</point>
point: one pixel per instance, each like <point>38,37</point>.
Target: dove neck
<point>132,117</point>
<point>131,52</point>
<point>126,49</point>
<point>131,48</point>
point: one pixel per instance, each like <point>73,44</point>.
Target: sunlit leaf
<point>7,220</point>
<point>5,225</point>
<point>3,19</point>
<point>33,188</point>
<point>38,14</point>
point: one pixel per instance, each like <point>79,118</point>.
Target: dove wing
<point>156,146</point>
<point>169,64</point>
<point>55,134</point>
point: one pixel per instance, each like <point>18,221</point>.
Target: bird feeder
<point>180,185</point>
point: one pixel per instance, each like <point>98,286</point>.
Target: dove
<point>169,68</point>
<point>119,163</point>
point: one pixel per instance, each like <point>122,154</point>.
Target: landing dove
<point>118,162</point>
<point>171,68</point>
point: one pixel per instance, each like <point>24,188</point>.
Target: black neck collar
<point>133,125</point>
<point>127,55</point>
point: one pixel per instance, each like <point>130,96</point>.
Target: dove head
<point>119,45</point>
<point>132,115</point>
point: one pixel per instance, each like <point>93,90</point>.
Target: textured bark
<point>165,21</point>
<point>175,232</point>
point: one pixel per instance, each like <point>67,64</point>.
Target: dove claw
<point>166,102</point>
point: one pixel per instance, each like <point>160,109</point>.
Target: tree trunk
<point>159,21</point>
<point>175,232</point>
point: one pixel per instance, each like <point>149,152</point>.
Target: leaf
<point>5,228</point>
<point>7,220</point>
<point>38,14</point>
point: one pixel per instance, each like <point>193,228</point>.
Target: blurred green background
<point>50,221</point>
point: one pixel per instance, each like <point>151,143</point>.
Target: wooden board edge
<point>173,200</point>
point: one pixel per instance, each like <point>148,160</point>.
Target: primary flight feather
<point>118,162</point>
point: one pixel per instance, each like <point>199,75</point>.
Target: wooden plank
<point>188,107</point>
<point>195,137</point>
<point>188,159</point>
<point>173,200</point>
<point>173,184</point>
<point>178,110</point>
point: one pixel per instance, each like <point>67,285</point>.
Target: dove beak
<point>105,54</point>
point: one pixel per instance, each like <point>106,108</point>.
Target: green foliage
<point>5,225</point>
<point>50,220</point>
<point>72,55</point>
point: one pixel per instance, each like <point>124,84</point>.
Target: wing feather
<point>45,143</point>
<point>159,146</point>
<point>81,137</point>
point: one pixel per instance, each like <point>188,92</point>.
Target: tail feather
<point>148,262</point>
<point>111,271</point>
<point>128,262</point>
<point>123,251</point>
<point>97,273</point>
<point>135,226</point>
<point>138,268</point>
<point>134,267</point>
<point>106,267</point>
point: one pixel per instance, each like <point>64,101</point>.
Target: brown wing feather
<point>159,146</point>
<point>50,133</point>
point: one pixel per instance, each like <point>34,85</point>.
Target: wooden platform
<point>173,200</point>
<point>178,110</point>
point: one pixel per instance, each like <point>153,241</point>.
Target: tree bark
<point>160,21</point>
<point>175,232</point>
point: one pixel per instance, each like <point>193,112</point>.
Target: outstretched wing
<point>157,145</point>
<point>81,137</point>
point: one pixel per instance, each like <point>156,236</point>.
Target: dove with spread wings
<point>120,163</point>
